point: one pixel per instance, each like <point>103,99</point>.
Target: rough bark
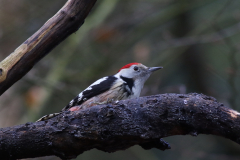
<point>65,22</point>
<point>112,127</point>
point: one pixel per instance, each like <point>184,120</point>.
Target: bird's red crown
<point>128,65</point>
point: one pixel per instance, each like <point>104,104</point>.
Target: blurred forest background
<point>196,41</point>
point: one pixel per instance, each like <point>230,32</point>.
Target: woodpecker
<point>127,83</point>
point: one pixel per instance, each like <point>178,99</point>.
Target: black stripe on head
<point>129,82</point>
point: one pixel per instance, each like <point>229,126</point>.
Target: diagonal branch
<point>65,22</point>
<point>118,126</point>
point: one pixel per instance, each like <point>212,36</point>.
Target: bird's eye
<point>135,68</point>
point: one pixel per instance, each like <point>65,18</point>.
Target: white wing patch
<point>96,83</point>
<point>71,102</point>
<point>80,97</point>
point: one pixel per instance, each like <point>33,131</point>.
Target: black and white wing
<point>98,87</point>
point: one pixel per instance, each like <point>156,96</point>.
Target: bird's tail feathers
<point>46,117</point>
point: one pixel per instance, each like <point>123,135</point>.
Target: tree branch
<point>120,125</point>
<point>65,22</point>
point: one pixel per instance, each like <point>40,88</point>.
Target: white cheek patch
<point>128,72</point>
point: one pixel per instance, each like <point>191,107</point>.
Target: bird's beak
<point>152,69</point>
